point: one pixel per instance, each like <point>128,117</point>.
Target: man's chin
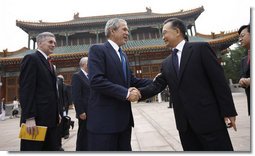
<point>167,45</point>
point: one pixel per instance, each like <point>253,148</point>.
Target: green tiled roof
<point>129,45</point>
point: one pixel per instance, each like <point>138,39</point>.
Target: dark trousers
<point>60,133</point>
<point>82,136</point>
<point>214,141</point>
<point>51,142</point>
<point>120,141</point>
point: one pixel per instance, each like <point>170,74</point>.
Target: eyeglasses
<point>242,35</point>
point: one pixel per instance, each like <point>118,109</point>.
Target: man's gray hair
<point>40,37</point>
<point>83,61</point>
<point>61,76</point>
<point>112,24</point>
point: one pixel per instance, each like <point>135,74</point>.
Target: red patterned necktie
<point>50,64</point>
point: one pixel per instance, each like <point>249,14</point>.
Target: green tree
<point>232,62</point>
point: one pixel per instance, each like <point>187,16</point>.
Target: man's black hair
<point>177,23</point>
<point>244,27</point>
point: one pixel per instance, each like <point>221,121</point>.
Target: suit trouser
<point>82,136</point>
<point>120,141</point>
<point>51,142</point>
<point>214,141</point>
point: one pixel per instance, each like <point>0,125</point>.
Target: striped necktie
<point>124,65</point>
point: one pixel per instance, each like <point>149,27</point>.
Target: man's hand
<point>134,94</point>
<point>59,119</point>
<point>31,127</point>
<point>245,82</point>
<point>230,122</point>
<point>83,116</point>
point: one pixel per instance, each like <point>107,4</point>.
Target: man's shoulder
<point>76,74</point>
<point>30,58</point>
<point>98,46</point>
<point>166,59</point>
<point>197,44</point>
<point>97,50</point>
<point>32,55</point>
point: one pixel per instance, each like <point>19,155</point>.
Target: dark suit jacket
<point>60,95</point>
<point>109,111</point>
<point>201,95</point>
<point>245,73</point>
<point>38,92</point>
<point>80,92</point>
<point>245,69</point>
<point>64,96</point>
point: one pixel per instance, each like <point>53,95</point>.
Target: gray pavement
<point>154,129</point>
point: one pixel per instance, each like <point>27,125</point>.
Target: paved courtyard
<point>154,130</point>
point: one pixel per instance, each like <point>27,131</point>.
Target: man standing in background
<point>80,96</point>
<point>38,95</point>
<point>245,81</point>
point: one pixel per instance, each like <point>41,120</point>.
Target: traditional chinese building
<point>145,48</point>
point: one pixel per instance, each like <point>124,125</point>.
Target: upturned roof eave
<point>86,22</point>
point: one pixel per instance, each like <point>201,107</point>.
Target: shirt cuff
<point>127,95</point>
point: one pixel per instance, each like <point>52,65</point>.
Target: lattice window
<point>147,76</point>
<point>11,81</point>
<point>145,69</point>
<point>155,68</point>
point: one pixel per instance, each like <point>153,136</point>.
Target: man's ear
<point>178,32</point>
<point>112,31</point>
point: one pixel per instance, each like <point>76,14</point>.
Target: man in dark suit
<point>244,39</point>
<point>80,96</point>
<point>202,99</point>
<point>110,116</point>
<point>38,95</point>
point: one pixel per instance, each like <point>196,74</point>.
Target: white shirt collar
<point>114,45</point>
<point>84,72</point>
<point>46,57</point>
<point>180,45</point>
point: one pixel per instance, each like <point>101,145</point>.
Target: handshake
<point>134,94</point>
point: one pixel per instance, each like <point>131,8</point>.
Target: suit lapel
<point>84,78</point>
<point>115,58</point>
<point>186,53</point>
<point>170,69</point>
<point>45,62</point>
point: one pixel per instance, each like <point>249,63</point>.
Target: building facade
<point>145,48</point>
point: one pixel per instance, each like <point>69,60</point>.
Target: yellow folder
<point>40,137</point>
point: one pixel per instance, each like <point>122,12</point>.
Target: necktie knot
<point>120,51</point>
<point>175,51</point>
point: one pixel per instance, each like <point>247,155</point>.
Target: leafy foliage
<point>232,63</point>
